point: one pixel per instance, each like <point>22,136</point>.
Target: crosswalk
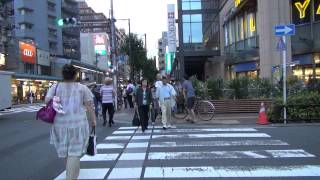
<point>196,153</point>
<point>30,108</point>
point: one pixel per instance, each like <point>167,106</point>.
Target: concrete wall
<point>271,13</point>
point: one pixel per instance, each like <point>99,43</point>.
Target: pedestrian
<point>97,99</point>
<point>129,92</point>
<point>189,96</point>
<point>31,96</point>
<point>125,97</point>
<point>180,96</point>
<point>143,100</point>
<point>165,94</point>
<point>155,105</point>
<point>70,131</point>
<point>108,94</point>
<point>157,86</point>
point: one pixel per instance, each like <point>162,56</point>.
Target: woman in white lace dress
<point>70,131</point>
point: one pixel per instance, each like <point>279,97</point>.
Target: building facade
<point>198,25</point>
<point>306,43</point>
<point>249,46</point>
<point>6,27</point>
<point>70,35</point>
<point>248,43</point>
<point>162,49</point>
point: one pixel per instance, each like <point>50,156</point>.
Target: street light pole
<point>114,62</point>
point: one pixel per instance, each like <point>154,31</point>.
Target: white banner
<point>172,45</point>
<point>43,57</point>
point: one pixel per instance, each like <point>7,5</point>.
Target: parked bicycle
<point>203,108</point>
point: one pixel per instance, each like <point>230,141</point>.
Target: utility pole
<point>145,40</point>
<point>114,62</point>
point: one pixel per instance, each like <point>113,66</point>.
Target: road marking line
<point>206,130</point>
<point>125,173</point>
<point>141,137</point>
<point>123,132</point>
<point>127,128</point>
<point>235,171</point>
<point>261,154</point>
<point>87,174</point>
<point>291,153</point>
<point>118,138</point>
<point>222,135</point>
<point>132,156</point>
<point>110,146</point>
<point>138,145</point>
<point>100,157</point>
<point>219,143</point>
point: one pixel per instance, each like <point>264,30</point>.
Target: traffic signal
<point>67,21</point>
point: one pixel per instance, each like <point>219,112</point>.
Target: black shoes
<point>164,128</point>
<point>104,123</point>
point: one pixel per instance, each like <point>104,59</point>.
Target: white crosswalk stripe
<point>128,147</point>
<point>29,109</point>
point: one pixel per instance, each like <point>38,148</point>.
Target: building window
<point>226,35</point>
<point>192,28</point>
<point>191,4</point>
<point>26,26</point>
<point>251,25</point>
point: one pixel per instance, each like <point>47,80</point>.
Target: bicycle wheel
<point>205,110</point>
<point>180,113</point>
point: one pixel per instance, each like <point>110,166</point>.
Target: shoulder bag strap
<point>55,91</point>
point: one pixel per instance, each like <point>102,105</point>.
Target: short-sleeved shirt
<point>107,93</point>
<point>187,85</point>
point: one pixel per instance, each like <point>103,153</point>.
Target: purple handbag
<point>47,114</point>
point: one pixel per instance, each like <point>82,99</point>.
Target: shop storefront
<point>305,65</point>
<point>248,69</point>
<point>23,85</point>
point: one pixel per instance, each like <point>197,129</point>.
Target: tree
<point>137,55</point>
<point>149,70</point>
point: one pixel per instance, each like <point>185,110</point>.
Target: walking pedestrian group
<point>74,104</point>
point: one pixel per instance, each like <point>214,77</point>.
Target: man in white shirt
<point>166,93</point>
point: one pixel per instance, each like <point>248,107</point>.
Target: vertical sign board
<point>43,57</point>
<point>282,31</point>
<point>172,45</point>
<point>27,52</point>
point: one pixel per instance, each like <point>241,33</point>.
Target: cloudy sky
<point>147,16</point>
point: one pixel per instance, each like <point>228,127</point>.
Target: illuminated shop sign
<point>100,42</point>
<point>301,11</point>
<point>237,3</point>
<point>27,52</point>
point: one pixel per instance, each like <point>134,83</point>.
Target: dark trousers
<point>110,108</point>
<point>125,101</point>
<point>144,116</point>
<point>130,101</point>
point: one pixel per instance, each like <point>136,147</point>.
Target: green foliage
<point>215,88</point>
<point>240,87</point>
<point>300,106</point>
<point>138,56</point>
<point>149,70</point>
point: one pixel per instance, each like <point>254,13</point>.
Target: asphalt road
<point>183,152</point>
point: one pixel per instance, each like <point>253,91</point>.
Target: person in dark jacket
<point>143,99</point>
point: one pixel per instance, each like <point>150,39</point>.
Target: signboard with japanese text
<point>27,52</point>
<point>172,39</point>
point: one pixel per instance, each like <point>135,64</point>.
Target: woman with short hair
<point>70,130</point>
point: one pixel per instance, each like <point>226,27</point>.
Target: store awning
<point>304,59</point>
<point>36,77</point>
<point>249,66</point>
<point>85,66</point>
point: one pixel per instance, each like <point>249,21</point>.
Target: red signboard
<point>27,52</point>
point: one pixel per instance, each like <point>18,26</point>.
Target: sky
<point>146,16</point>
